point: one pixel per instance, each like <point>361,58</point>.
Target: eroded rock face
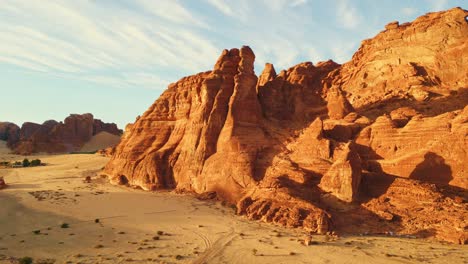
<point>386,131</point>
<point>410,60</point>
<point>344,176</point>
<point>2,183</point>
<point>9,132</point>
<point>55,137</point>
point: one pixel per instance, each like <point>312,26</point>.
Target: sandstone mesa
<point>53,136</point>
<point>376,145</point>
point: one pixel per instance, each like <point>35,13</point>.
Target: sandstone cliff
<point>9,132</point>
<point>53,136</point>
<point>375,145</point>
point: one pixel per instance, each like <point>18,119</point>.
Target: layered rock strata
<point>376,145</point>
<point>53,136</point>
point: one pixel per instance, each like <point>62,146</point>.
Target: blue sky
<point>113,58</point>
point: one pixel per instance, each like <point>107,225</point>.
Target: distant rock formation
<point>53,136</point>
<point>9,132</point>
<point>2,183</point>
<point>376,145</point>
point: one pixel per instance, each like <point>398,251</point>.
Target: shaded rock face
<point>9,132</point>
<point>55,137</point>
<point>2,183</point>
<point>352,148</point>
<point>344,176</point>
<point>296,94</point>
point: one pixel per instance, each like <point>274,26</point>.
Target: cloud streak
<point>347,15</point>
<point>107,42</point>
<point>89,41</point>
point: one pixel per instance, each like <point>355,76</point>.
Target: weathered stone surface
<point>2,183</point>
<point>55,137</point>
<point>386,131</point>
<point>426,55</point>
<point>296,94</point>
<point>432,149</point>
<point>10,133</point>
<point>344,176</point>
<point>337,104</point>
<point>99,126</point>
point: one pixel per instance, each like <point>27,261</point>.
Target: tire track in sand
<point>215,249</point>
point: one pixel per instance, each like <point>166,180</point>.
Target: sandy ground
<point>100,141</point>
<point>143,227</point>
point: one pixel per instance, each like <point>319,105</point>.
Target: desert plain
<point>117,224</point>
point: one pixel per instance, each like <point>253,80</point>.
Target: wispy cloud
<point>438,5</point>
<point>222,6</point>
<point>88,40</point>
<point>408,11</point>
<point>347,15</point>
<point>298,3</point>
<point>172,10</point>
<point>108,42</point>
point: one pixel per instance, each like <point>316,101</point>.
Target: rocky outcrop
<point>344,176</point>
<point>337,104</point>
<point>9,132</point>
<point>424,58</point>
<point>2,183</point>
<point>297,94</point>
<point>99,126</point>
<point>419,150</point>
<point>359,147</point>
<point>55,137</point>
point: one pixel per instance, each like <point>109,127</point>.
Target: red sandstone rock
<point>338,106</point>
<point>386,130</point>
<point>344,176</point>
<point>2,183</point>
<point>10,133</point>
<point>55,137</point>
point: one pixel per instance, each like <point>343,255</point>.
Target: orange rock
<point>10,133</point>
<point>2,183</point>
<point>344,176</point>
<point>55,137</point>
<point>386,131</point>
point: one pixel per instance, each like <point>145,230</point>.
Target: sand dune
<point>101,141</point>
<point>163,227</point>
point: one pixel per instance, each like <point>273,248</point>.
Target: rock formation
<point>344,176</point>
<point>9,132</point>
<point>53,136</point>
<point>2,183</point>
<point>376,145</point>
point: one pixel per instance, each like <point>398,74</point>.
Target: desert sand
<point>136,226</point>
<point>99,141</point>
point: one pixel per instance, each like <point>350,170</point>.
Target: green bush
<point>36,162</point>
<point>18,163</point>
<point>26,163</point>
<point>26,260</point>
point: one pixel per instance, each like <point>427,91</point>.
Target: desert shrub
<point>26,163</point>
<point>35,162</point>
<point>26,260</point>
<point>65,225</point>
<point>18,163</point>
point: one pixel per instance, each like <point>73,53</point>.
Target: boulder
<point>344,177</point>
